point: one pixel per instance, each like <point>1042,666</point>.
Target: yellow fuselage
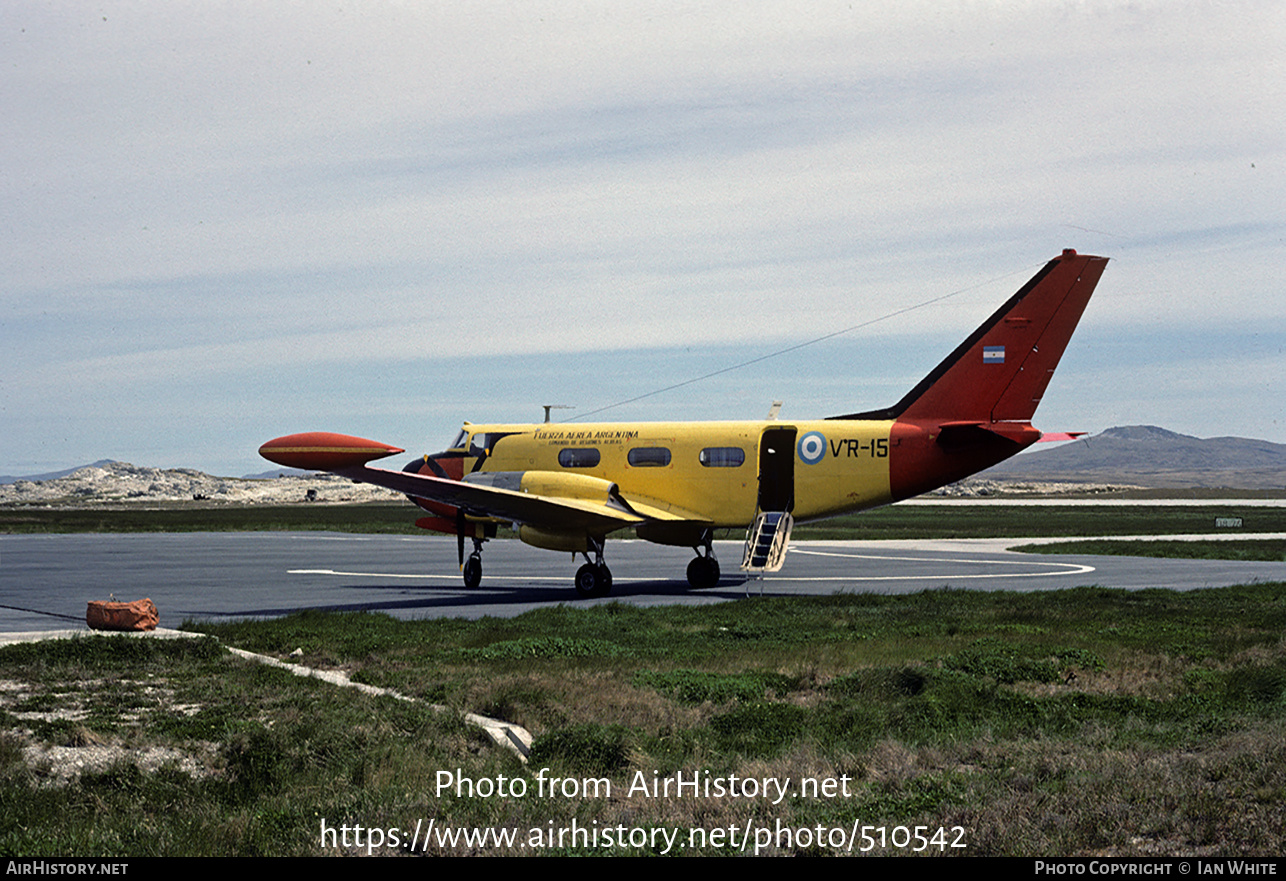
<point>707,471</point>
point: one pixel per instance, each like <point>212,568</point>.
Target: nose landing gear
<point>472,567</point>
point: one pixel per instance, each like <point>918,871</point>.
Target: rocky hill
<point>120,482</point>
<point>1145,455</point>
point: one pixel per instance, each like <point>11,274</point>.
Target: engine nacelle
<point>549,483</point>
<point>568,486</point>
<point>576,542</point>
<point>553,484</point>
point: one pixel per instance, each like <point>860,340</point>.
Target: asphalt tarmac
<point>46,580</point>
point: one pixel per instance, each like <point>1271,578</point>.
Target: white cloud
<point>195,191</point>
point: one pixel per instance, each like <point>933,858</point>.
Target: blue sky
<point>227,222</point>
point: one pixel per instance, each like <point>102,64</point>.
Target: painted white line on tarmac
<point>420,576</point>
<point>1046,569</point>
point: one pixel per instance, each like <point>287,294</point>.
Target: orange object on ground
<point>138,615</point>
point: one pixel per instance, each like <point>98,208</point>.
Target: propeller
<point>459,535</point>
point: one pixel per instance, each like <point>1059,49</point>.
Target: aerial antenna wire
<point>43,612</point>
<point>798,346</point>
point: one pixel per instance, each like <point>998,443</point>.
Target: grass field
<point>1272,550</point>
<point>1080,722</point>
<point>989,520</point>
<point>367,518</point>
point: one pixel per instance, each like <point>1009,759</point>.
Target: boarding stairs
<point>766,542</point>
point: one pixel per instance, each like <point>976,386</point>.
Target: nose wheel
<point>471,568</point>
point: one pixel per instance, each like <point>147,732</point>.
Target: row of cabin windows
<point>653,457</point>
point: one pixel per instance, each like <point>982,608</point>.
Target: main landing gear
<point>594,579</point>
<point>703,571</point>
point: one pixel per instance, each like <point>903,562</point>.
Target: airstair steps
<point>766,542</point>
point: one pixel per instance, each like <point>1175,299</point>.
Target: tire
<point>473,572</point>
<point>587,581</point>
<point>703,572</point>
<point>593,581</point>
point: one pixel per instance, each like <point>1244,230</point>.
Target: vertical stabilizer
<point>975,408</point>
<point>1001,371</point>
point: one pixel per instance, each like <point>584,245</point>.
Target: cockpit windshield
<point>460,440</point>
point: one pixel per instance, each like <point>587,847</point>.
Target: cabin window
<point>460,440</point>
<point>649,457</point>
<point>579,458</point>
<point>723,457</point>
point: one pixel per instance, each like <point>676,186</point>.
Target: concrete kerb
<point>505,734</point>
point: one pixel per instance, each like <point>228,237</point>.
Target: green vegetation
<point>368,518</point>
<point>1087,721</point>
<point>998,520</point>
<point>1271,550</point>
<point>988,520</point>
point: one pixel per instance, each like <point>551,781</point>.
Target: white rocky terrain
<point>114,483</point>
<point>121,482</point>
<point>985,487</point>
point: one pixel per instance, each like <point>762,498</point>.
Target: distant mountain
<point>107,463</point>
<point>1149,456</point>
<point>52,475</point>
<point>277,472</point>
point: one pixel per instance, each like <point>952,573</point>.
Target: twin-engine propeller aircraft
<point>566,487</point>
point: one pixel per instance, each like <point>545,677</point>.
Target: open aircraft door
<point>769,534</point>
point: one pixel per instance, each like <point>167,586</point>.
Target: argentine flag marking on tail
<point>993,354</point>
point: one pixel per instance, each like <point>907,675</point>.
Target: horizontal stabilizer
<point>963,435</point>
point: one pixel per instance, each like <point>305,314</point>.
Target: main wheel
<point>593,581</point>
<point>703,572</point>
<point>473,571</point>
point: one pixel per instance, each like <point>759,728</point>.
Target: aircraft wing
<point>483,499</point>
<point>566,502</point>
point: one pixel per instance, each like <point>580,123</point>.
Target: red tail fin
<point>974,409</point>
<point>1000,372</point>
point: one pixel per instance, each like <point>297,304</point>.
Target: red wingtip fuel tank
<point>324,450</point>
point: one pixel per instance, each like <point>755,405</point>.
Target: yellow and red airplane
<point>566,486</point>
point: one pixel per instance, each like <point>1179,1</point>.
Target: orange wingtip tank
<point>323,450</point>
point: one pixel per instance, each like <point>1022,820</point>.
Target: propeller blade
<point>459,535</point>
